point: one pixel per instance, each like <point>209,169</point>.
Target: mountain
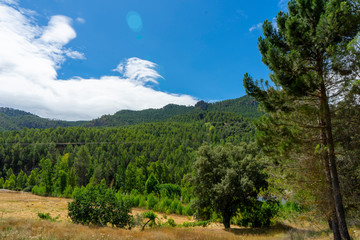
<point>12,119</point>
<point>245,106</point>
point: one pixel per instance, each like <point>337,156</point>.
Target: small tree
<point>98,205</point>
<point>151,184</point>
<point>46,174</point>
<point>225,178</point>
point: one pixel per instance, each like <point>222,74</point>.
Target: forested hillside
<point>12,119</point>
<point>109,151</point>
<point>246,106</point>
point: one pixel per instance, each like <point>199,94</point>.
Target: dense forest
<point>109,151</point>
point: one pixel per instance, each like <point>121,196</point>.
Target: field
<point>19,220</point>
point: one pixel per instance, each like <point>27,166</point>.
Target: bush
<point>98,205</point>
<point>39,190</point>
<point>46,216</point>
<point>171,222</point>
<point>152,201</point>
<point>152,184</point>
<point>259,214</point>
<point>171,190</point>
<point>196,224</point>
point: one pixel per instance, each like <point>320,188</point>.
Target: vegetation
<point>225,179</point>
<point>314,64</point>
<point>98,205</point>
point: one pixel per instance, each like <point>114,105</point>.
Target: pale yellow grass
<point>19,220</point>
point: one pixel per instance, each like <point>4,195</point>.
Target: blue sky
<point>191,50</point>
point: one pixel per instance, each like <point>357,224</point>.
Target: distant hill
<point>246,106</point>
<point>12,119</point>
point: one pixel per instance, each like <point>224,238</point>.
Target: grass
<point>21,221</point>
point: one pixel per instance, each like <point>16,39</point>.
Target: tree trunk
<point>226,219</point>
<point>333,221</point>
<point>340,213</point>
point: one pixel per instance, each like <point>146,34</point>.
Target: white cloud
<point>139,70</point>
<point>30,55</point>
<point>80,20</point>
<point>256,27</point>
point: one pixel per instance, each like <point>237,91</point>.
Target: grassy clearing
<point>20,220</point>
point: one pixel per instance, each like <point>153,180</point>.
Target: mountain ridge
<point>246,106</point>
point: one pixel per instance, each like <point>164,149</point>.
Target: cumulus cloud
<point>30,55</point>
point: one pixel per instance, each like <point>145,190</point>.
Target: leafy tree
<point>10,183</point>
<point>82,165</point>
<point>226,178</point>
<point>312,67</point>
<point>21,180</point>
<point>46,175</point>
<point>151,184</point>
<point>72,178</point>
<point>98,205</point>
<point>151,216</point>
<point>33,178</point>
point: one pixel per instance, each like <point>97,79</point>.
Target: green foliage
<point>151,184</point>
<point>82,166</point>
<point>151,219</point>
<point>39,190</point>
<point>46,216</point>
<point>170,190</point>
<point>21,181</point>
<point>226,177</point>
<point>196,224</point>
<point>33,179</point>
<point>98,205</point>
<point>46,175</point>
<point>171,222</point>
<point>258,214</point>
<point>152,201</point>
<point>10,183</point>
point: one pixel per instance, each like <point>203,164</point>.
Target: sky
<point>79,60</point>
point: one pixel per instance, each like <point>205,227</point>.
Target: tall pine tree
<point>312,67</point>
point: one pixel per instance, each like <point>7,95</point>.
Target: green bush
<point>39,190</point>
<point>171,222</point>
<point>164,204</point>
<point>171,190</point>
<point>46,216</point>
<point>196,224</point>
<point>98,205</point>
<point>258,214</point>
<point>152,201</point>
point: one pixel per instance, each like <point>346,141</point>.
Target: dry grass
<point>19,220</point>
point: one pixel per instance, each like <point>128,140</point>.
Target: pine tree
<point>312,66</point>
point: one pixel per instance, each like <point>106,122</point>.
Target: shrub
<point>152,184</point>
<point>259,214</point>
<point>152,201</point>
<point>171,222</point>
<point>152,217</point>
<point>196,224</point>
<point>171,190</point>
<point>39,190</point>
<point>46,216</point>
<point>98,205</point>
